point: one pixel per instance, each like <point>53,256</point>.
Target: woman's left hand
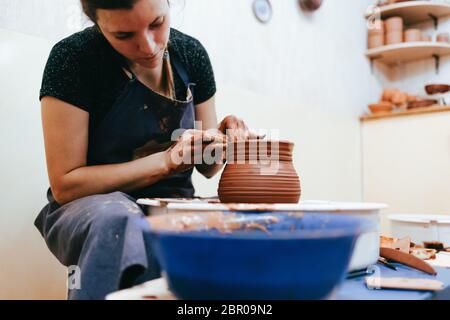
<point>235,129</point>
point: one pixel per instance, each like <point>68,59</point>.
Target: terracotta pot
<point>377,28</point>
<point>259,171</point>
<point>376,41</point>
<point>394,24</point>
<point>427,38</point>
<point>310,5</point>
<point>443,37</point>
<point>437,88</point>
<point>388,93</point>
<point>399,99</point>
<point>422,103</point>
<point>413,35</point>
<point>394,37</point>
<point>382,106</point>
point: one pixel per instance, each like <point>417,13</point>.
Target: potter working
<point>112,96</point>
<point>254,150</point>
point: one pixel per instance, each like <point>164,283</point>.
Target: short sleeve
<point>202,73</point>
<point>66,76</point>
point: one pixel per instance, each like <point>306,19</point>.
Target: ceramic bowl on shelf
<point>413,35</point>
<point>394,37</point>
<point>254,256</point>
<point>381,107</point>
<point>394,24</point>
<point>437,88</point>
<point>375,41</point>
<point>443,37</point>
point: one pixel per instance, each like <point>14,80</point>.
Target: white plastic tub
<point>367,248</point>
<point>421,227</point>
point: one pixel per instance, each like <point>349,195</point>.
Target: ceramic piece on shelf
<point>427,38</point>
<point>383,106</point>
<point>394,37</point>
<point>394,24</point>
<point>399,99</point>
<point>310,5</point>
<point>376,41</point>
<point>437,88</point>
<point>413,35</point>
<point>388,93</point>
<point>443,37</point>
<point>376,28</point>
<point>422,103</point>
<point>259,163</point>
<point>411,98</point>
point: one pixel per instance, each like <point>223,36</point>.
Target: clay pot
<point>437,88</point>
<point>377,28</point>
<point>388,93</point>
<point>427,38</point>
<point>259,171</point>
<point>413,35</point>
<point>376,41</point>
<point>394,24</point>
<point>399,99</point>
<point>422,103</point>
<point>443,37</point>
<point>310,5</point>
<point>394,37</point>
<point>382,106</point>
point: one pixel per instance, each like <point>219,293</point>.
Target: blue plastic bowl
<point>301,257</point>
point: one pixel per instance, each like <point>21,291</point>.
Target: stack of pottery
<point>394,30</point>
<point>413,35</point>
<point>443,37</point>
<point>259,171</point>
<point>427,38</point>
<point>376,35</point>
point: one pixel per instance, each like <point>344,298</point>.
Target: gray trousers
<point>100,239</point>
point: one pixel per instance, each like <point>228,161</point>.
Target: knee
<point>114,208</point>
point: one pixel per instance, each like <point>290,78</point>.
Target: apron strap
<point>180,68</point>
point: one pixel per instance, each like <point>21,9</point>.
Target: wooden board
<point>408,51</point>
<point>414,12</point>
<point>404,284</point>
<point>417,111</point>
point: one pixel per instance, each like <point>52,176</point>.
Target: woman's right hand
<point>189,149</point>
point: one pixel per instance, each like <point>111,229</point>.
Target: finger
<point>254,135</point>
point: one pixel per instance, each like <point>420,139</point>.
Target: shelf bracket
<point>437,62</point>
<point>435,20</point>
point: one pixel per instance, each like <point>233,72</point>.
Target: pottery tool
<point>384,262</point>
<point>404,284</point>
<point>360,273</point>
<point>407,259</point>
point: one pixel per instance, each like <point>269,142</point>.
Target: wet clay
<point>260,171</point>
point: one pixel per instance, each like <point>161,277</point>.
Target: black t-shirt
<point>84,70</point>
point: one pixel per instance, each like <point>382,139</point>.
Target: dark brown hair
<point>90,6</point>
<point>90,9</point>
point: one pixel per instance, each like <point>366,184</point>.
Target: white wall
<point>305,75</point>
<point>27,269</point>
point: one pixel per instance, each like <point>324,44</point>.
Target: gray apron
<point>99,237</point>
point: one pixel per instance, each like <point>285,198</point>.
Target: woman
<point>112,96</point>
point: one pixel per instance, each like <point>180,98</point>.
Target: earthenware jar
<point>259,171</point>
<point>413,35</point>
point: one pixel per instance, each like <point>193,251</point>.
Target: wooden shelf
<point>414,12</point>
<point>408,51</point>
<point>416,111</point>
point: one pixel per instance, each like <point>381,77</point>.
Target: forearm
<point>126,177</point>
